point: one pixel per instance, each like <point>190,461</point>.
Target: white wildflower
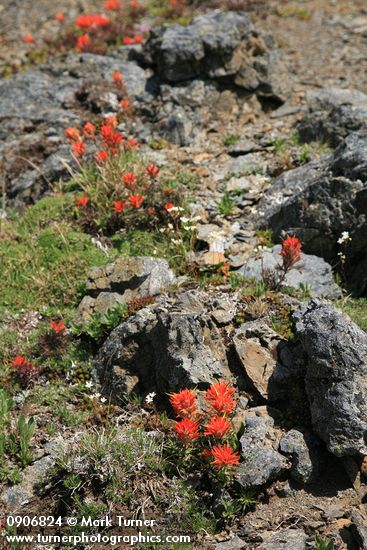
<point>150,397</point>
<point>89,384</point>
<point>344,237</point>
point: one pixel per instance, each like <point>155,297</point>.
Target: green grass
<point>356,308</point>
<point>44,259</point>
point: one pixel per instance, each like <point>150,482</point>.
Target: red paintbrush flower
<point>129,180</point>
<point>89,130</point>
<point>82,202</point>
<point>220,398</point>
<point>132,143</point>
<point>291,252</point>
<point>57,327</point>
<point>136,200</point>
<point>127,41</point>
<point>187,430</point>
<point>83,42</point>
<point>73,134</point>
<point>217,426</point>
<point>60,17</point>
<point>169,206</point>
<point>111,120</point>
<point>91,21</point>
<point>28,39</point>
<point>138,39</point>
<point>24,370</point>
<point>112,5</point>
<point>184,403</point>
<point>79,149</point>
<point>120,206</point>
<point>224,456</point>
<point>153,170</point>
<point>125,104</point>
<point>117,77</point>
<point>101,156</point>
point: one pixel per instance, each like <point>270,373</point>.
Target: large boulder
<point>261,462</point>
<point>126,279</point>
<point>332,114</point>
<point>320,201</point>
<point>164,347</point>
<point>311,272</point>
<point>335,352</point>
<point>220,46</point>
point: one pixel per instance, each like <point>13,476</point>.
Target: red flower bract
<point>112,5</point>
<point>138,39</point>
<point>60,17</point>
<point>220,398</point>
<point>82,202</point>
<point>127,41</point>
<point>24,370</point>
<point>184,403</point>
<point>224,456</point>
<point>153,170</point>
<point>129,180</point>
<point>91,21</point>
<point>72,134</point>
<point>136,200</point>
<point>57,327</point>
<point>79,149</point>
<point>28,39</point>
<point>117,77</point>
<point>83,42</point>
<point>291,252</point>
<point>101,156</point>
<point>120,206</point>
<point>125,104</point>
<point>217,426</point>
<point>169,206</point>
<point>89,130</point>
<point>187,430</point>
<point>111,120</point>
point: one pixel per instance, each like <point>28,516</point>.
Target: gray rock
<point>120,282</point>
<point>306,453</point>
<point>218,45</point>
<point>261,462</point>
<point>312,272</point>
<point>322,199</point>
<point>333,113</point>
<point>235,543</point>
<point>359,527</point>
<point>335,352</point>
<point>285,539</point>
<point>14,497</point>
<point>163,349</point>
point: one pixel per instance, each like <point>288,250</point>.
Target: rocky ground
<point>255,115</point>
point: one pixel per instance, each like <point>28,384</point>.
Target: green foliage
<point>226,205</point>
<point>356,308</point>
<point>44,259</point>
<point>231,139</point>
<point>101,325</point>
<point>15,444</point>
<point>25,429</point>
<point>239,504</point>
<point>321,544</point>
<point>265,237</point>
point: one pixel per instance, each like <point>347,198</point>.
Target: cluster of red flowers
<point>24,370</point>
<point>91,21</point>
<point>57,327</point>
<point>137,39</point>
<point>291,252</point>
<point>220,402</point>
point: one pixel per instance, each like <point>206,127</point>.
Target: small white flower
<point>103,400</point>
<point>170,226</point>
<point>344,237</point>
<point>89,384</point>
<point>150,397</point>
